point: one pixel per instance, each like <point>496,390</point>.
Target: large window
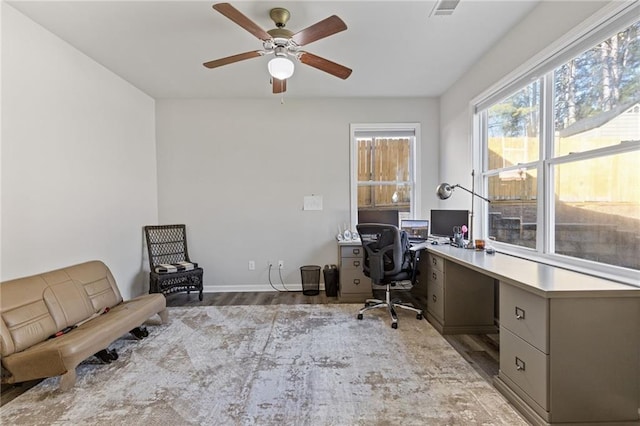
<point>561,148</point>
<point>383,171</point>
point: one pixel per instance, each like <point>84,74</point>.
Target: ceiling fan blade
<point>232,59</point>
<point>279,86</point>
<point>319,30</point>
<point>325,65</point>
<point>236,16</point>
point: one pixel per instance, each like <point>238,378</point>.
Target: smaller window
<point>383,171</point>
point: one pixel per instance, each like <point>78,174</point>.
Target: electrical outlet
<point>280,264</point>
<point>252,265</point>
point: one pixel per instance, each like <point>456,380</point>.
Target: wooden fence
<point>383,160</point>
<point>611,179</point>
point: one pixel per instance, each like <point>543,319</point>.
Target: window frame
<point>602,25</point>
<point>354,129</point>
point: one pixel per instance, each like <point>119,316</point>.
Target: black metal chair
<point>171,270</point>
<point>388,259</point>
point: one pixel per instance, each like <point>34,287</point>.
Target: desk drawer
<point>436,262</point>
<point>435,299</point>
<point>351,263</point>
<point>351,251</point>
<point>526,315</point>
<point>435,276</point>
<point>526,366</point>
<point>354,281</point>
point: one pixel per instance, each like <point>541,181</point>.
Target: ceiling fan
<point>284,45</point>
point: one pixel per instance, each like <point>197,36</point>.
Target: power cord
<point>286,290</point>
<point>270,283</point>
<point>281,281</point>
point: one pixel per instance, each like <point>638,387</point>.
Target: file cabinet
<point>524,343</point>
<point>354,285</point>
<point>558,353</point>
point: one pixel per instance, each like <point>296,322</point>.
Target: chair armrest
<point>417,247</point>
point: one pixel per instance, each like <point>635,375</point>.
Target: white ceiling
<point>393,47</point>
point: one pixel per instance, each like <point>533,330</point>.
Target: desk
<point>569,342</point>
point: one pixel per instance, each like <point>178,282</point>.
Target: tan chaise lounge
<point>36,307</point>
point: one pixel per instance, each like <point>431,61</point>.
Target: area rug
<point>273,365</point>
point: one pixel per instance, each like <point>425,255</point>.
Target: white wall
<point>78,159</point>
<point>542,27</point>
<point>236,171</point>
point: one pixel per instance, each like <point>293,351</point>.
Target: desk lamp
<point>444,191</point>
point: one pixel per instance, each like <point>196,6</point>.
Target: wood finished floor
<point>480,351</point>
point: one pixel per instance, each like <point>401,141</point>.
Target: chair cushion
<point>169,268</point>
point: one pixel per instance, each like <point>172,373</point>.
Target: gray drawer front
<point>351,263</point>
<point>436,262</point>
<point>435,299</point>
<point>526,366</point>
<point>354,281</point>
<point>351,251</point>
<point>526,315</point>
<point>436,276</point>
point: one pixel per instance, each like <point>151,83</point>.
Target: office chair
<point>388,259</point>
<point>171,271</point>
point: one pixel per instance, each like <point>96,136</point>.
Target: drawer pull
<point>356,251</point>
<point>520,365</point>
<point>434,298</point>
<point>434,276</point>
<point>519,313</point>
<point>356,281</point>
<point>434,261</point>
<point>356,263</point>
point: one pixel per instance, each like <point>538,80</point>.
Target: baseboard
<point>250,288</point>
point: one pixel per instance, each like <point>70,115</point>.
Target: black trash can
<point>330,280</point>
<point>310,280</point>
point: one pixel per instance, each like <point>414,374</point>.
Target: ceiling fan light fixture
<point>281,67</point>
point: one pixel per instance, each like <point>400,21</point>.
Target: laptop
<point>417,229</point>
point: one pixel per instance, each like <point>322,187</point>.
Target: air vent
<point>444,7</point>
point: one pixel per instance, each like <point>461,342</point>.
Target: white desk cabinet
<point>354,285</point>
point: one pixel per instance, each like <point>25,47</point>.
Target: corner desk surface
<point>538,278</point>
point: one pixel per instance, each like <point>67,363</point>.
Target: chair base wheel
<point>394,325</point>
<point>359,316</point>
<point>419,316</point>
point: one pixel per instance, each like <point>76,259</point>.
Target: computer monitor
<point>415,228</point>
<point>388,217</point>
<point>443,221</point>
